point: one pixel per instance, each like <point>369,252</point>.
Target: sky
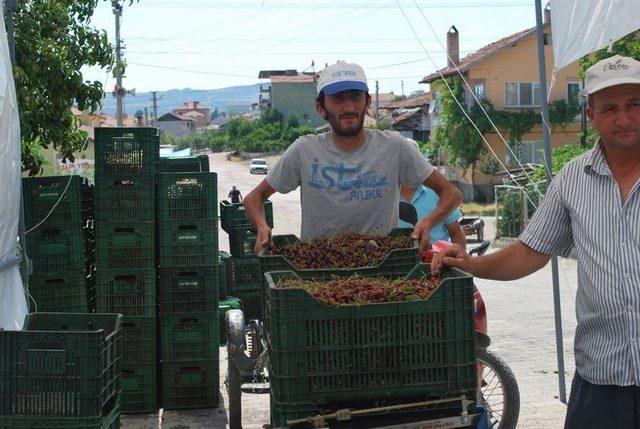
<point>209,44</point>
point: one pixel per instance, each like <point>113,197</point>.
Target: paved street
<point>521,325</point>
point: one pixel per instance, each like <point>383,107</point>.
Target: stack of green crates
<point>126,163</point>
<point>61,371</point>
<point>245,272</point>
<point>188,289</point>
<point>58,216</point>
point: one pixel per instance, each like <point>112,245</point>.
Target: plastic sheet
<point>584,26</point>
<point>13,305</point>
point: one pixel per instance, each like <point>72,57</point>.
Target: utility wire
<point>481,107</point>
<point>458,102</point>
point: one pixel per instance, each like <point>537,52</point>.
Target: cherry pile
<point>359,290</point>
<point>348,250</point>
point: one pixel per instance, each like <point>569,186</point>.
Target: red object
<point>480,309</point>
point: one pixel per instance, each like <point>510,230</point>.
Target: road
<point>521,326</point>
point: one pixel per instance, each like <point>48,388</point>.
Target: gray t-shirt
<point>344,190</point>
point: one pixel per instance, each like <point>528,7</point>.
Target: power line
<point>294,5</point>
<point>192,71</point>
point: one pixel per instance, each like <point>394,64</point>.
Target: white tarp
<point>583,26</point>
<point>13,305</point>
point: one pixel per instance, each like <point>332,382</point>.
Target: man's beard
<point>345,131</point>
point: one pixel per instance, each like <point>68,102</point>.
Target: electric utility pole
<point>120,92</point>
<point>377,100</point>
<point>155,107</point>
<point>402,86</point>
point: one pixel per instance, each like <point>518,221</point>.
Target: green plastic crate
<point>63,293</point>
<point>57,249</point>
<point>246,274</point>
<point>187,244</point>
<point>128,292</point>
<point>125,200</point>
<point>190,385</point>
<point>139,341</point>
<point>187,197</point>
<point>126,151</point>
<point>189,337</point>
<point>252,302</point>
<point>139,389</point>
<point>184,290</point>
<point>109,420</point>
<point>188,164</point>
<point>60,365</point>
<point>225,267</point>
<point>69,194</point>
<point>125,246</point>
<point>422,348</point>
<point>224,306</point>
<point>232,215</point>
<point>242,241</point>
<point>397,263</point>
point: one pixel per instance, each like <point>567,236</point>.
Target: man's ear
<point>321,111</point>
<point>589,113</point>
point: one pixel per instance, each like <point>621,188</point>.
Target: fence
<point>515,206</point>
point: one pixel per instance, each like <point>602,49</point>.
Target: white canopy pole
<point>542,69</point>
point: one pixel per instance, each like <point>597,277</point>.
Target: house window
<point>305,116</point>
<point>477,86</point>
<point>522,94</point>
<point>527,152</point>
<point>573,93</point>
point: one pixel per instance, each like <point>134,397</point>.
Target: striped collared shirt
<point>583,209</point>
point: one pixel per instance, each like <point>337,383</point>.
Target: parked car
<point>258,166</point>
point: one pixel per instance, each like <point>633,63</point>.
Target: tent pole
<point>547,157</point>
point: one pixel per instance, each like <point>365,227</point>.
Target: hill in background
<point>235,99</point>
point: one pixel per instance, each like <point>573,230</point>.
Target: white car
<point>258,165</point>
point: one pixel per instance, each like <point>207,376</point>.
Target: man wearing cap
<point>592,206</point>
<point>349,177</point>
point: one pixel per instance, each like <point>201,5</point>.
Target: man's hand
<point>421,232</point>
<point>263,240</point>
<point>453,256</point>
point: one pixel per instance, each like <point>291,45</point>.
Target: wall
<point>176,128</point>
<point>518,63</point>
<point>298,99</point>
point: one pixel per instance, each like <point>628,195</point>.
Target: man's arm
<point>449,198</point>
<point>513,262</point>
<point>254,207</point>
<point>456,234</point>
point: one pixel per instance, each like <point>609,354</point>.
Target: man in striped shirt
<point>592,206</point>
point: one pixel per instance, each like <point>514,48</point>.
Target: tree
<point>293,122</point>
<point>271,116</point>
<point>54,40</point>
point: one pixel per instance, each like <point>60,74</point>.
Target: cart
<point>247,374</point>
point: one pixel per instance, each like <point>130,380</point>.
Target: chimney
<point>453,47</point>
<point>547,14</point>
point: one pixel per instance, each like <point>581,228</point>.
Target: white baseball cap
<point>342,76</point>
<point>612,71</point>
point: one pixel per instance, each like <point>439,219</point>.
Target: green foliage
<point>458,136</point>
<point>54,40</point>
<point>271,116</point>
<point>293,122</point>
<point>269,134</point>
<point>628,46</point>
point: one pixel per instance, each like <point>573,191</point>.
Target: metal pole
<point>377,100</point>
<point>117,11</point>
<point>155,108</point>
<point>542,70</point>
